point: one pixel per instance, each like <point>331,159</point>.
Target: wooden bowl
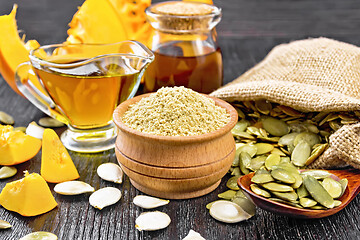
<point>155,158</point>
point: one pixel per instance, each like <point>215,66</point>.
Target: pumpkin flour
<point>176,111</point>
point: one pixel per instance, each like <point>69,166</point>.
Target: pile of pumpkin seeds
<point>268,133</point>
<point>313,189</point>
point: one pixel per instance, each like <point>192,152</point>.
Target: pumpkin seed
<point>253,130</point>
<point>271,160</point>
<point>6,118</point>
<point>332,186</point>
<point>316,153</point>
<point>35,130</point>
<point>277,187</point>
<point>298,180</point>
<point>240,113</point>
<point>232,183</point>
<point>317,174</point>
<point>21,129</point>
<point>245,204</point>
<point>251,149</point>
<point>278,152</point>
<point>151,221</point>
<point>302,192</point>
<point>288,139</point>
<point>238,146</point>
<point>208,206</point>
<point>148,202</point>
<point>309,137</point>
<point>104,197</point>
<point>257,162</point>
<point>318,207</point>
<point>245,161</point>
<point>343,182</point>
<point>236,171</point>
<point>263,106</point>
<point>110,172</point>
<point>300,154</point>
<point>192,235</point>
<point>290,111</point>
<point>73,188</point>
<point>228,212</point>
<point>228,195</point>
<point>275,126</point>
<point>6,172</point>
<point>240,127</point>
<point>285,202</point>
<point>318,192</point>
<point>262,178</point>
<point>50,122</point>
<point>259,191</point>
<point>4,224</point>
<point>245,135</point>
<point>239,193</point>
<point>40,236</point>
<point>337,203</point>
<point>263,148</point>
<point>288,196</point>
<point>283,176</point>
<point>307,202</point>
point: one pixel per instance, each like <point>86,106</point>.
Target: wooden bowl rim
<point>122,108</point>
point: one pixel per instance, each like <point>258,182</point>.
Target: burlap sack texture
<point>309,75</point>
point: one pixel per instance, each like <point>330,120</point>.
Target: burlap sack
<point>309,75</point>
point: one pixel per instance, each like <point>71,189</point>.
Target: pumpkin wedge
<point>29,196</point>
<point>13,50</point>
<point>16,147</point>
<point>56,163</point>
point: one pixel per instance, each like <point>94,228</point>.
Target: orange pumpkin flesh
<point>13,51</point>
<point>96,22</point>
<point>56,163</point>
<point>29,196</point>
<point>16,147</point>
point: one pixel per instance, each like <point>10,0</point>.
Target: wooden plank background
<point>248,31</point>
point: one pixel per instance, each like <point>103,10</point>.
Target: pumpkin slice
<point>29,196</point>
<point>96,22</point>
<point>16,147</point>
<point>56,163</point>
<point>13,51</point>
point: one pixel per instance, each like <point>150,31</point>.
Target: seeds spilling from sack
<point>268,133</point>
<point>313,189</point>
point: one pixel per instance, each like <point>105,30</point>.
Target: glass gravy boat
<point>81,85</point>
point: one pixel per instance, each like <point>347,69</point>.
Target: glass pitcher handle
<point>29,85</point>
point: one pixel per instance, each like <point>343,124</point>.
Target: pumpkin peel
<point>56,163</point>
<point>13,50</point>
<point>29,196</point>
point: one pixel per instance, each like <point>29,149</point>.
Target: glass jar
<point>185,47</point>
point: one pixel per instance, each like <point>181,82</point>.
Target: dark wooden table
<point>249,29</point>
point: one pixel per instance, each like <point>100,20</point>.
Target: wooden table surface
<point>248,31</point>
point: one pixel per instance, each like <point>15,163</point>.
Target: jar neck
<point>188,44</point>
